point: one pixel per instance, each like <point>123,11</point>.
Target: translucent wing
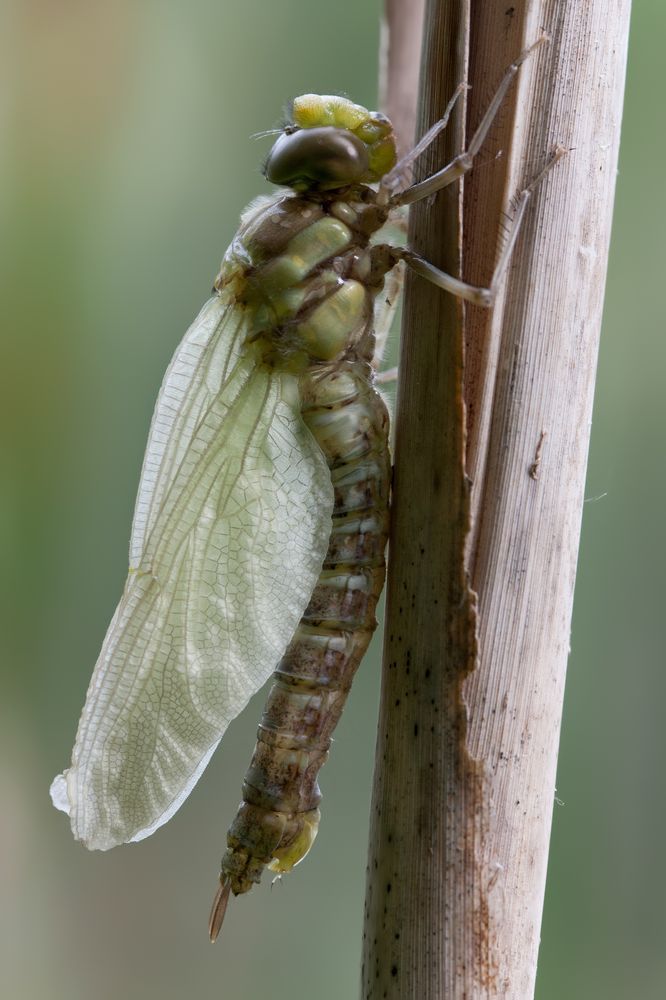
<point>230,531</point>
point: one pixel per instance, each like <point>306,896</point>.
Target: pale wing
<point>234,520</point>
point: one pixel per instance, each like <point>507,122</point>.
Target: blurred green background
<point>125,161</point>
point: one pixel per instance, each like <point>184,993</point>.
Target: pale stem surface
<point>463,800</point>
<point>529,389</point>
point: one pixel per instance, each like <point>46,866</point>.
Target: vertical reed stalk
<point>467,743</point>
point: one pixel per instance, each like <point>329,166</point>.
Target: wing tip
<point>59,794</point>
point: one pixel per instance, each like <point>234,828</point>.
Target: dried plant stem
<point>400,52</point>
<point>467,750</point>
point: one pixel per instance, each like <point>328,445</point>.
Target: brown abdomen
<point>278,818</point>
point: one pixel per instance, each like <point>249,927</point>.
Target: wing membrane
<point>230,531</point>
<point>200,367</point>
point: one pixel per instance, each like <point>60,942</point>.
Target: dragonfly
<point>261,521</point>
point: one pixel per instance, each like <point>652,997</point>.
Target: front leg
<point>461,289</point>
<point>464,161</point>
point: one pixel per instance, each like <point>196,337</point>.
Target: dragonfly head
<point>331,143</point>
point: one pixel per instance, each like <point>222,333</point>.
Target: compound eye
<point>326,157</point>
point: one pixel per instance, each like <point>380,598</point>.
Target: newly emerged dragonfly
<point>262,514</point>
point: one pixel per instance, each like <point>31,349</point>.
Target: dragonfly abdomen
<point>348,419</point>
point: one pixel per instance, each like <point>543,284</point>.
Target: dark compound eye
<point>326,157</point>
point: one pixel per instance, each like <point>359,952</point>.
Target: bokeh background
<point>125,160</point>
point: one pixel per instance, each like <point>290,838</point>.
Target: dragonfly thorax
<point>303,269</point>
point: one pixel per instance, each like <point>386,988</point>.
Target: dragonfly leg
<point>385,308</point>
<point>473,293</point>
<point>393,181</point>
<point>463,161</point>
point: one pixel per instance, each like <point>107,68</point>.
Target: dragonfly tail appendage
<point>218,909</point>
